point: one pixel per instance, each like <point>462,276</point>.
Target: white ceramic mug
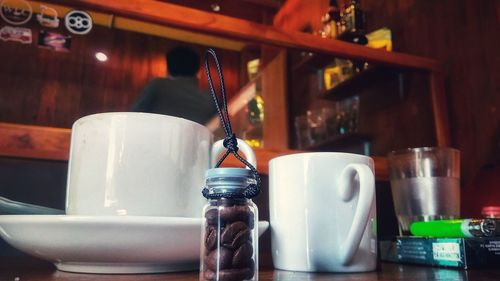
<point>323,213</point>
<point>129,163</point>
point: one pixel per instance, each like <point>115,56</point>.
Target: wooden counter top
<point>35,270</point>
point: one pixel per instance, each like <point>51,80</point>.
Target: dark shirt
<point>176,96</point>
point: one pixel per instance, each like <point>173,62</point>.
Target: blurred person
<point>178,94</point>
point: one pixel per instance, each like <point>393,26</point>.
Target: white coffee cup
<point>141,164</point>
<point>323,213</point>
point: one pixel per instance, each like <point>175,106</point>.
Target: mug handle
<point>361,215</point>
<point>218,147</point>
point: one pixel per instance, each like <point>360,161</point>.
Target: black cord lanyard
<point>230,142</point>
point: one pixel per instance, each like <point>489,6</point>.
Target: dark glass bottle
<point>353,23</point>
<point>331,21</point>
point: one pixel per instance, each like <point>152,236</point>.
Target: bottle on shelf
<point>354,29</point>
<point>253,132</point>
<point>337,72</point>
<point>253,135</point>
<point>331,21</point>
<point>353,23</point>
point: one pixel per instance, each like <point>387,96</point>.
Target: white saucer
<point>119,244</point>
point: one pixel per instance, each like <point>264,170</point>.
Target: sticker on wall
<point>78,22</point>
<point>15,12</point>
<point>16,34</point>
<point>48,17</point>
<point>54,41</point>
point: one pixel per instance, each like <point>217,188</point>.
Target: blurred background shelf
<point>362,80</point>
<point>309,59</point>
<point>352,143</point>
<point>238,39</point>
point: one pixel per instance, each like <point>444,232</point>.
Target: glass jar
<point>229,247</point>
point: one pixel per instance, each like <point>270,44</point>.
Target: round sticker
<point>78,22</point>
<point>15,12</point>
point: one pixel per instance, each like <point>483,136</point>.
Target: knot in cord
<point>230,143</point>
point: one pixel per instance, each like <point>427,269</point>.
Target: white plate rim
<point>8,221</point>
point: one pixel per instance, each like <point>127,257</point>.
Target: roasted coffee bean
<point>242,255</point>
<point>210,238</point>
<point>240,238</point>
<point>209,275</point>
<point>231,231</point>
<point>237,274</point>
<point>237,213</point>
<point>224,256</point>
<point>211,216</point>
<point>250,264</point>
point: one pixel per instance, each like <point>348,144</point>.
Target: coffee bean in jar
<point>230,235</point>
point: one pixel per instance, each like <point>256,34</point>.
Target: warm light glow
<point>100,56</point>
<point>215,7</point>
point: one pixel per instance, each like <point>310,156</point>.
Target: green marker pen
<point>456,228</point>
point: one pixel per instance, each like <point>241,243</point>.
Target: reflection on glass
<point>253,133</point>
<point>303,132</point>
<point>328,122</point>
<point>317,125</point>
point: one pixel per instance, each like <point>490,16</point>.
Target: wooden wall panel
<point>43,87</point>
<point>464,35</point>
<point>397,120</point>
<point>275,95</point>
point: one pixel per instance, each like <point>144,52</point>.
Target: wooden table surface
<point>26,269</point>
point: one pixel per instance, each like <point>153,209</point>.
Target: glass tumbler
<point>425,184</point>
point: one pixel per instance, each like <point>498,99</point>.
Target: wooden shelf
<point>312,60</point>
<point>47,143</point>
<point>364,79</point>
<point>237,29</point>
<point>35,142</point>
